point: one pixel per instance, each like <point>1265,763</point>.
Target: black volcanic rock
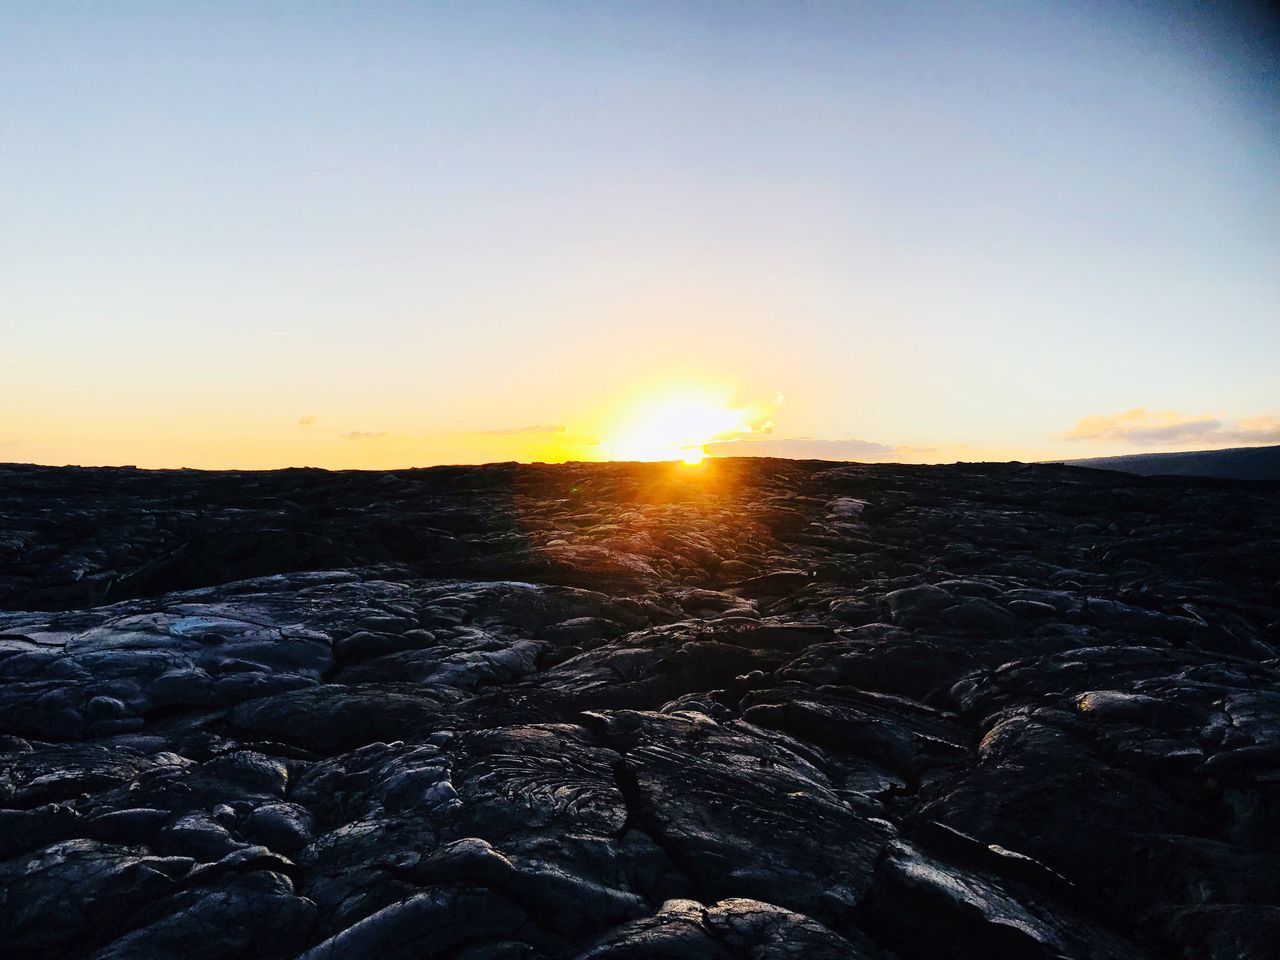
<point>754,709</point>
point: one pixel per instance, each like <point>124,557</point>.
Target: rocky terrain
<point>753,709</point>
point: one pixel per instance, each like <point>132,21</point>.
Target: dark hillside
<point>1238,463</point>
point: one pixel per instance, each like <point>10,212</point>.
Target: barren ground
<point>755,709</point>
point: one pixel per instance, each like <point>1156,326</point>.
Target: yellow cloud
<point>1143,427</point>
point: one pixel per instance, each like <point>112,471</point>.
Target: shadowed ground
<point>753,709</point>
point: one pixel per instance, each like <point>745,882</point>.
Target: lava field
<point>751,709</point>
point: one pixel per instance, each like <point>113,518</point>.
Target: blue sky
<point>241,235</point>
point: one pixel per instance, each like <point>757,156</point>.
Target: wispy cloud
<point>1153,428</point>
<point>362,435</point>
<point>307,421</point>
<point>804,448</point>
<point>535,429</point>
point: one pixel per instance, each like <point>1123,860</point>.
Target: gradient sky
<point>399,234</point>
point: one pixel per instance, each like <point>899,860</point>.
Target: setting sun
<point>676,426</point>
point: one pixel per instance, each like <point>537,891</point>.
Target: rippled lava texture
<point>755,709</point>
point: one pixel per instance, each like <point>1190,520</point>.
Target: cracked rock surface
<point>754,709</point>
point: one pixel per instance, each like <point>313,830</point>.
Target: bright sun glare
<point>676,426</point>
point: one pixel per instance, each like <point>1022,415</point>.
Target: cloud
<point>307,421</point>
<point>537,428</point>
<point>362,435</point>
<point>804,448</point>
<point>1153,428</point>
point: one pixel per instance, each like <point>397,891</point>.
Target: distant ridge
<point>1236,463</point>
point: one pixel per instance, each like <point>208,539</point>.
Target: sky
<point>399,234</point>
